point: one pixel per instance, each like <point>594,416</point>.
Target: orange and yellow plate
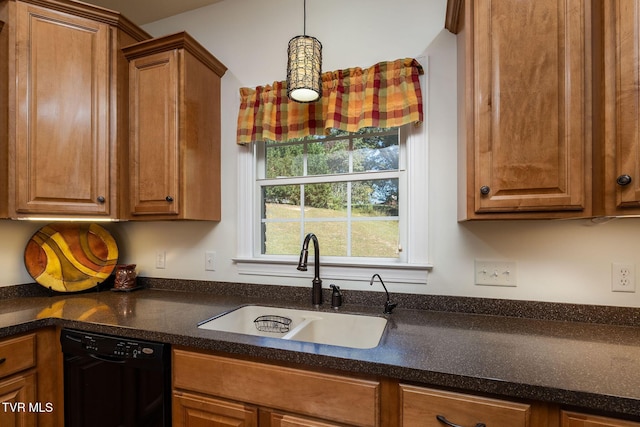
<point>71,257</point>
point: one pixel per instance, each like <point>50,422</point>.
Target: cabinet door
<point>421,407</point>
<point>530,120</point>
<point>622,82</point>
<point>61,149</point>
<point>574,419</point>
<point>16,395</point>
<point>154,151</point>
<point>198,411</point>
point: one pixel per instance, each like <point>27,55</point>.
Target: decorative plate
<point>71,257</point>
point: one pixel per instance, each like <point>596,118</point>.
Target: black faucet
<point>316,291</point>
<point>388,305</point>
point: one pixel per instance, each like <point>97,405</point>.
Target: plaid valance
<point>385,95</point>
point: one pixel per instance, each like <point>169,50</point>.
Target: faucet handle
<point>336,297</point>
<point>389,306</point>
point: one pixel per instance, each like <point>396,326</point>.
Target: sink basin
<point>341,329</point>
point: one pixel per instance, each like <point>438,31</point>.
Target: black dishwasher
<point>115,382</point>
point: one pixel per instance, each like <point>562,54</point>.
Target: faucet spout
<point>316,290</point>
<point>388,305</point>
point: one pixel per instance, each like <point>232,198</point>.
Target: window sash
<point>349,177</point>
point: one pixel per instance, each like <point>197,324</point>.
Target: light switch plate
<point>210,261</point>
<point>495,273</point>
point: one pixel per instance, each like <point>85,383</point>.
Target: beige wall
<point>564,261</point>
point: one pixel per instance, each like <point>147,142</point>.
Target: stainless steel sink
<point>341,329</point>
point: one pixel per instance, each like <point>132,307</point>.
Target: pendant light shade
<point>304,67</point>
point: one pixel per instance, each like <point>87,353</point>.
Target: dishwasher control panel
<point>107,346</point>
<point>116,347</point>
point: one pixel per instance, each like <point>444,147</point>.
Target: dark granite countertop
<point>586,365</point>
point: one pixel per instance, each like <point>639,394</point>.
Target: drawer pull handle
<point>445,421</point>
<point>2,360</point>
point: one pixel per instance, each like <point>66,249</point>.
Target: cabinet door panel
<point>624,63</point>
<point>530,120</point>
<point>62,135</point>
<point>17,393</point>
<point>154,134</point>
<point>199,411</point>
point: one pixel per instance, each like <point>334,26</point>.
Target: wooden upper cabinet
<point>525,108</point>
<point>62,125</point>
<point>64,104</point>
<point>620,177</point>
<point>175,129</point>
<point>4,110</point>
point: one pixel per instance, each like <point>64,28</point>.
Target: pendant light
<point>304,66</point>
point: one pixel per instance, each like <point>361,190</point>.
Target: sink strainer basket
<point>272,324</point>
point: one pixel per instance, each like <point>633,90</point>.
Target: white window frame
<point>411,268</point>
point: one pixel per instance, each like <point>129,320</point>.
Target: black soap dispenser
<point>336,297</point>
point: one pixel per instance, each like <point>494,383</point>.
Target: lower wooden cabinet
<point>30,380</point>
<point>195,410</point>
<point>213,390</point>
<point>576,419</point>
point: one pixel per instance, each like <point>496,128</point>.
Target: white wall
<point>563,261</point>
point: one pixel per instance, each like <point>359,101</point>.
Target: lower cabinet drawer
<point>423,406</point>
<point>331,397</point>
<point>17,354</point>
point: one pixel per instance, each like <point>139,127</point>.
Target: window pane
<point>375,153</point>
<point>375,239</point>
<point>281,201</point>
<point>325,200</point>
<point>332,237</point>
<point>329,157</point>
<point>375,198</point>
<point>281,238</point>
<point>283,160</point>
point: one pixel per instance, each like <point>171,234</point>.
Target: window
<point>363,194</point>
<point>345,188</point>
<point>267,211</point>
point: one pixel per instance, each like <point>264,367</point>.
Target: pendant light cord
<point>304,25</point>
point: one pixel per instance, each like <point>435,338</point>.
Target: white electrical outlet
<point>161,259</point>
<point>495,273</point>
<point>210,261</point>
<point>623,277</point>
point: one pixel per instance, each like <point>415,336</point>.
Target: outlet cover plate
<point>495,273</point>
<point>623,277</point>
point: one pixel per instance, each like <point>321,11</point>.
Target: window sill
<point>332,270</point>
